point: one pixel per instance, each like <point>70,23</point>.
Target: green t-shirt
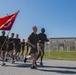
<point>33,38</point>
<point>42,37</point>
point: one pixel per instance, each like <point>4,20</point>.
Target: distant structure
<point>61,44</point>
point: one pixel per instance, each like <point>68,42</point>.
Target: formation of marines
<point>14,47</point>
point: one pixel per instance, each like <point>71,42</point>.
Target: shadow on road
<point>19,65</point>
<point>57,67</point>
<point>60,69</point>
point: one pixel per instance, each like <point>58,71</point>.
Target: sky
<point>58,17</point>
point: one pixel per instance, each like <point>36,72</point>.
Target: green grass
<point>60,55</point>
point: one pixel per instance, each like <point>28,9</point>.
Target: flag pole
<point>5,39</point>
<point>9,30</point>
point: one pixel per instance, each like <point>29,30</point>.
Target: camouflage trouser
<point>41,47</point>
<point>33,51</point>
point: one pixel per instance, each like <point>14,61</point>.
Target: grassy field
<point>60,55</point>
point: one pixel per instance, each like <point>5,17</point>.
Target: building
<point>61,44</point>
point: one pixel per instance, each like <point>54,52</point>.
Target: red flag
<point>6,22</point>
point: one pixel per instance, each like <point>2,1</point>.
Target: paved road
<point>51,67</point>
